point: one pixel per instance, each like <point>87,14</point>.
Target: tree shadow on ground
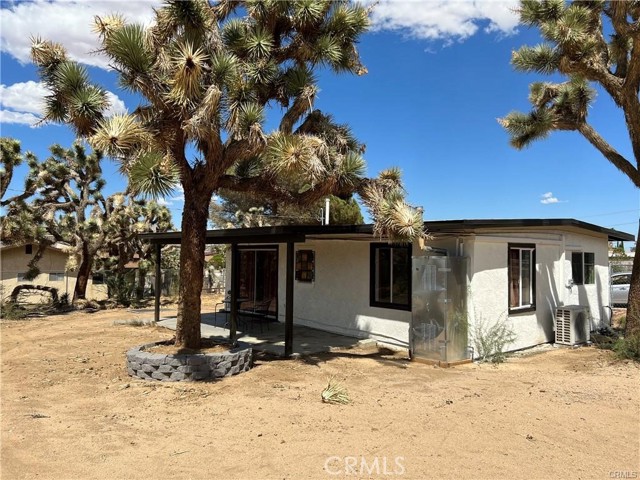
<point>382,355</point>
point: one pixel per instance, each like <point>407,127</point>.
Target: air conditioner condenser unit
<point>572,325</point>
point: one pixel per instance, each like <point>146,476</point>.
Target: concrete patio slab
<point>306,340</point>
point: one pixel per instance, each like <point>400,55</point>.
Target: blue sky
<point>439,76</point>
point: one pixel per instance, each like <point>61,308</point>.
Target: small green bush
<point>628,347</point>
<point>12,311</point>
<point>489,340</point>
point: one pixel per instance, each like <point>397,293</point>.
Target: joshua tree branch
<point>631,84</point>
<point>610,153</point>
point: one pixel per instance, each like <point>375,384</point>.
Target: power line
<point>609,213</point>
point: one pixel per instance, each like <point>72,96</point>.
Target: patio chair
<point>253,312</point>
<point>226,308</point>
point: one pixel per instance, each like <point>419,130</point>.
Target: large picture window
<point>391,276</point>
<point>583,268</point>
<point>522,285</point>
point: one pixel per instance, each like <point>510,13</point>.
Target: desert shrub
<point>122,288</point>
<point>605,338</point>
<point>622,322</point>
<point>489,339</point>
<point>63,301</point>
<point>12,311</point>
<point>628,347</point>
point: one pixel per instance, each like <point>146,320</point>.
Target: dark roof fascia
<point>471,226</point>
<point>279,234</point>
<point>298,233</point>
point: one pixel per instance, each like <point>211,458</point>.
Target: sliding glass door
<point>258,278</point>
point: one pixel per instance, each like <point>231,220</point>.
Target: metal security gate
<point>439,327</point>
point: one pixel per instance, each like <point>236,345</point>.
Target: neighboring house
<point>426,296</point>
<point>14,260</point>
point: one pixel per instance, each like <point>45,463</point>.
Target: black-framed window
<point>305,265</point>
<point>56,276</point>
<point>583,268</point>
<point>522,277</point>
<point>390,276</point>
<point>28,249</point>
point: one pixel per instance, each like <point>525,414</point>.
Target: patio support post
<point>158,283</point>
<point>233,321</point>
<point>288,315</point>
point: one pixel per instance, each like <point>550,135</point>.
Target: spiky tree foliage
<point>11,157</point>
<point>595,42</point>
<point>22,223</point>
<point>209,76</point>
<point>67,206</point>
<point>234,210</point>
<point>123,244</point>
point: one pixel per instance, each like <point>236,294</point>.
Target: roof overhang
<point>475,226</point>
<point>301,233</point>
<point>256,235</point>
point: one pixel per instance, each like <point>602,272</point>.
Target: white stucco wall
<point>488,300</point>
<point>338,299</point>
<point>595,296</point>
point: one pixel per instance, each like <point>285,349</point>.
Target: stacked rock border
<point>187,367</point>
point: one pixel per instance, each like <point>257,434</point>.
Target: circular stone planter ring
<point>188,367</point>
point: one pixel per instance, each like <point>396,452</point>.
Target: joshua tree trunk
<point>194,227</point>
<point>632,326</point>
<point>84,271</point>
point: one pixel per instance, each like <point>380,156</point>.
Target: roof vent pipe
<point>326,211</point>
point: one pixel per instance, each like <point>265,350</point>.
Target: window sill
<point>518,311</point>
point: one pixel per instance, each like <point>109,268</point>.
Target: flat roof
<point>299,233</point>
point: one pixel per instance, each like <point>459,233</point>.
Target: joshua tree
<point>11,158</point>
<point>234,209</point>
<point>122,243</point>
<point>597,42</point>
<point>23,224</point>
<point>208,76</point>
<point>66,206</point>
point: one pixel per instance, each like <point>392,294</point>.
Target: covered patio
<point>280,338</point>
<point>306,340</point>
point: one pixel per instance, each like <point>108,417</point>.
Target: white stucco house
<point>344,280</point>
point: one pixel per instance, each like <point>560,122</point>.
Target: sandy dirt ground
<point>69,411</point>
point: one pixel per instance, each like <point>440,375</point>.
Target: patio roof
<point>299,233</point>
<point>278,234</point>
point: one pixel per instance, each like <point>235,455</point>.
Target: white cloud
<point>117,106</point>
<point>68,22</point>
<point>180,196</point>
<point>445,19</point>
<point>7,116</point>
<point>23,103</point>
<point>23,97</point>
<point>547,198</point>
<point>172,201</point>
